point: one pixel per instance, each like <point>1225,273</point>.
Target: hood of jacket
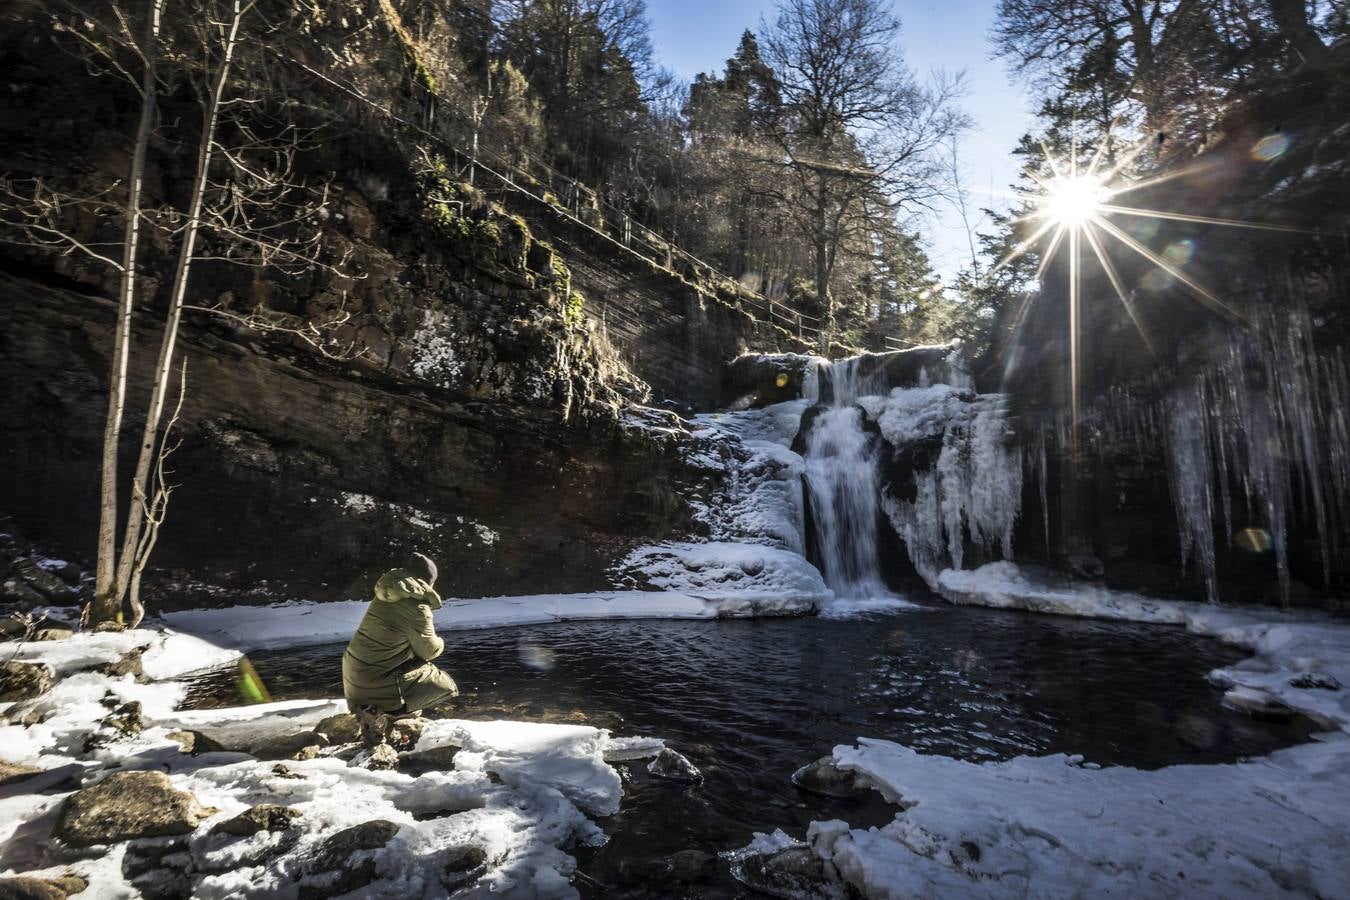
<point>400,584</point>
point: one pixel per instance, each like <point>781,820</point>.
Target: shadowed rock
<point>23,681</point>
<point>263,817</point>
<point>823,777</point>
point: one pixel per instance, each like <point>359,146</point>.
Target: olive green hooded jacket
<point>388,660</point>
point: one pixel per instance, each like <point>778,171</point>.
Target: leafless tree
<point>861,136</point>
<point>245,206</point>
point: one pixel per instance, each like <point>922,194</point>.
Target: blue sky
<point>692,36</point>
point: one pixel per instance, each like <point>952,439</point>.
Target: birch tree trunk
<point>105,579</point>
<point>139,509</point>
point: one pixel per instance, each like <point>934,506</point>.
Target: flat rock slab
<point>27,888</point>
<point>128,805</point>
<point>14,772</point>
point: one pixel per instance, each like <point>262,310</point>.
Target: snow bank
<point>745,578</point>
<point>165,654</point>
<point>1301,661</point>
<point>1048,827</point>
<point>568,758</point>
<point>299,624</point>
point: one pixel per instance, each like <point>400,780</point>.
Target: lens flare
<point>1272,146</point>
<point>1074,199</point>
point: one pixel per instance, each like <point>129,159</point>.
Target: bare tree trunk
<point>127,569</point>
<point>105,599</point>
<point>159,507</point>
<point>823,291</point>
<point>1292,18</point>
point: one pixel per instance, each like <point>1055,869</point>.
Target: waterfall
<point>843,483</point>
<point>842,490</point>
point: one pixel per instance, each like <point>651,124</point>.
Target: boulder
<point>674,766</point>
<point>340,729</point>
<point>419,762</point>
<point>24,681</point>
<point>45,583</point>
<point>127,719</point>
<point>127,664</point>
<point>795,872</point>
<point>337,850</point>
<point>823,777</point>
<point>383,757</point>
<point>161,869</point>
<point>336,869</point>
<point>52,633</point>
<point>14,625</point>
<point>128,805</point>
<point>263,817</point>
<point>463,865</point>
<point>403,733</point>
<point>284,746</point>
<point>16,590</point>
<point>309,751</point>
<point>195,742</point>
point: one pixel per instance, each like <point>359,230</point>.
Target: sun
<point>1073,200</point>
<point>1073,213</point>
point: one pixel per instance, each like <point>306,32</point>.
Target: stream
<point>750,701</point>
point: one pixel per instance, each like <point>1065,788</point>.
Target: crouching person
<point>387,667</point>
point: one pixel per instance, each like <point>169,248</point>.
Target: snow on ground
<point>304,623</point>
<point>521,793</point>
<point>1049,827</point>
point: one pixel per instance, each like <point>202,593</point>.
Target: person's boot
<point>374,725</point>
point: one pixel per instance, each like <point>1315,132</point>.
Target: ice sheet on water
<point>567,758</point>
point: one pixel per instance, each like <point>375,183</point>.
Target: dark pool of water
<point>750,701</point>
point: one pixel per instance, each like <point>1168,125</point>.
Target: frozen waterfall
<point>843,488</point>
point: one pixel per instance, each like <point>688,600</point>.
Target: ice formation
<point>1258,433</point>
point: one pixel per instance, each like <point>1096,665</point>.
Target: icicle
<point>1191,477</point>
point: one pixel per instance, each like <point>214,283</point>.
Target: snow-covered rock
<point>751,576</point>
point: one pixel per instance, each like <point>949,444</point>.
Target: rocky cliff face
<point>473,409</point>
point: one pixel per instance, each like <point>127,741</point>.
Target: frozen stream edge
<point>521,792</point>
<point>1054,826</point>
